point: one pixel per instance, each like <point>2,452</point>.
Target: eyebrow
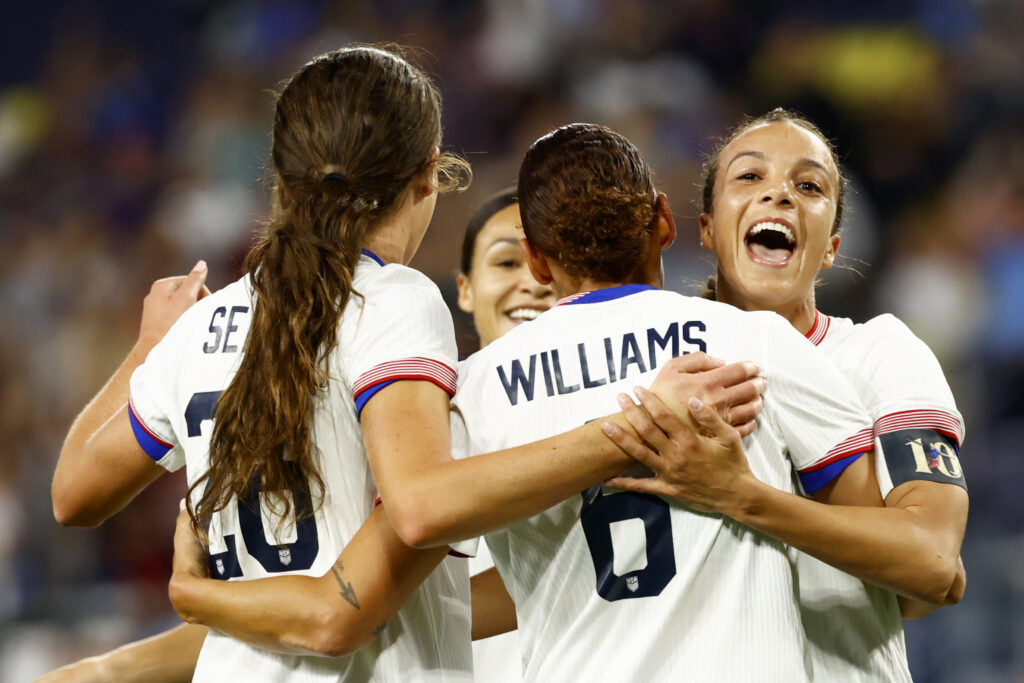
<point>504,240</point>
<point>764,157</point>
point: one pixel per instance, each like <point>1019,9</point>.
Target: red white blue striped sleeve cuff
<point>153,445</point>
<point>372,381</point>
<point>936,420</point>
<point>836,460</point>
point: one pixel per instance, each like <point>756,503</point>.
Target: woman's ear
<point>465,300</point>
<point>538,263</point>
<point>665,223</point>
<point>830,253</point>
<point>707,231</point>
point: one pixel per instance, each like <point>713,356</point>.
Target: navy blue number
<point>273,558</point>
<point>599,512</point>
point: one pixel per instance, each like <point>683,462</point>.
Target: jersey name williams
<point>586,367</point>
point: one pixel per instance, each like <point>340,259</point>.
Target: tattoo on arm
<point>347,591</point>
<point>380,629</point>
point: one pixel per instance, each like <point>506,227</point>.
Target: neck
<point>564,285</point>
<point>800,313</point>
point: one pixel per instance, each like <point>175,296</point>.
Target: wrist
<point>747,502</point>
<point>181,591</point>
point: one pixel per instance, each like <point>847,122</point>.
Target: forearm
<point>101,468</point>
<point>501,488</point>
<point>891,547</point>
<point>101,408</point>
<point>169,657</point>
<point>332,615</point>
<point>494,612</point>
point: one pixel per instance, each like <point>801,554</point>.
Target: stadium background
<point>133,139</point>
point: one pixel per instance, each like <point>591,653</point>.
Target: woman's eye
<point>810,186</point>
<point>507,263</point>
<point>749,175</point>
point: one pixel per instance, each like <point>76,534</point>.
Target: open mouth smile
<point>771,242</point>
<point>523,314</point>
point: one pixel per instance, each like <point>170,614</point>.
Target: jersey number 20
<point>273,558</point>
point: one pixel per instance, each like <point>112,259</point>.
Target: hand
<point>733,390</point>
<point>190,555</point>
<point>168,298</point>
<point>706,472</point>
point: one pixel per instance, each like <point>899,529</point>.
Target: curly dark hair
<point>587,200</point>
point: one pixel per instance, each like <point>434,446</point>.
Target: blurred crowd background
<point>134,137</point>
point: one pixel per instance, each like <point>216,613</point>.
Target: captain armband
<point>922,454</point>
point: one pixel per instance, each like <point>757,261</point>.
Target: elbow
<point>415,524</point>
<point>939,586</point>
<point>334,634</point>
<point>71,510</point>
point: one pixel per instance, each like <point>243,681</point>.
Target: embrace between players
<point>669,539</point>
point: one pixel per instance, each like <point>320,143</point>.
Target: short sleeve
<point>404,332</point>
<point>905,391</point>
<point>901,381</point>
<point>824,424</point>
<point>149,405</point>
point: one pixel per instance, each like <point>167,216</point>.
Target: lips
<point>771,242</point>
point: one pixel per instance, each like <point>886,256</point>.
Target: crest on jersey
<point>220,566</point>
<point>285,555</point>
<point>632,583</point>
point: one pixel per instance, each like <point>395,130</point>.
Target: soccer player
<point>341,392</point>
<point>611,585</point>
<point>772,208</point>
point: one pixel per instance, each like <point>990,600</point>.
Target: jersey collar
<point>378,259</point>
<point>599,295</point>
<point>819,330</point>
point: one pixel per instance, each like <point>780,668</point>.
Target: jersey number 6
<point>294,556</point>
<point>639,526</point>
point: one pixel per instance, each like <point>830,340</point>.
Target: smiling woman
<point>771,210</point>
<point>772,206</point>
<point>494,281</point>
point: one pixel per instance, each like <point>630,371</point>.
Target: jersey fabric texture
<point>611,585</point>
<point>396,328</point>
<point>496,659</point>
<point>854,629</point>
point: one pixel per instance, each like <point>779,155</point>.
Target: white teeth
<point>777,227</point>
<point>523,314</point>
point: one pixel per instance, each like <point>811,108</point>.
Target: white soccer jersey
<point>398,329</point>
<point>854,629</point>
<point>616,586</point>
<point>496,659</point>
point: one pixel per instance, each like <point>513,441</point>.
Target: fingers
<point>641,419</point>
<point>746,412</point>
<point>709,420</point>
<point>693,362</point>
<point>191,286</point>
<point>732,374</point>
<point>629,444</point>
<point>669,428</point>
<point>745,429</point>
<point>651,485</point>
<point>194,283</point>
